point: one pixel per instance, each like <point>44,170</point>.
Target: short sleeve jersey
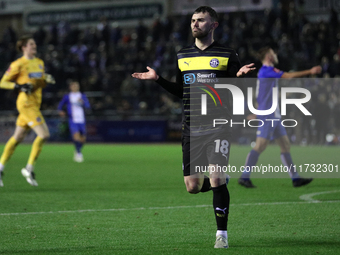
<point>75,102</point>
<point>199,70</point>
<point>267,80</point>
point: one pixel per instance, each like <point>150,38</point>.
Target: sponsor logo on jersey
<point>35,75</point>
<point>214,62</point>
<point>206,75</point>
<point>207,78</point>
<point>189,78</point>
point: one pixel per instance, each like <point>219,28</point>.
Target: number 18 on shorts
<point>200,153</point>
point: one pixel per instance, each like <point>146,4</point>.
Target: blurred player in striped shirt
<point>75,102</point>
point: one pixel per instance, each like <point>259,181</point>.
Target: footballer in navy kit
<point>272,130</point>
<point>198,64</point>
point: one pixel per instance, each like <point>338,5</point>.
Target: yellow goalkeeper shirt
<point>23,71</point>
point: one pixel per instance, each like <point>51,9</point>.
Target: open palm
<point>246,69</point>
<point>149,75</point>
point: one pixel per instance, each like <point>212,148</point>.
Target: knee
<point>193,190</point>
<point>260,148</point>
<point>45,137</point>
<point>19,138</point>
<point>287,146</point>
<point>215,182</point>
<point>192,187</point>
<point>81,139</point>
<point>77,138</point>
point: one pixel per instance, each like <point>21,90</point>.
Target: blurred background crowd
<point>102,58</point>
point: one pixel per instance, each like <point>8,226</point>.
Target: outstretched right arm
<point>312,71</point>
<point>175,88</point>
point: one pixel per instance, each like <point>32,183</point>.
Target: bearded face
<point>200,33</point>
<point>201,25</point>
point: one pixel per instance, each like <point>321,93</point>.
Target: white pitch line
<point>309,197</point>
<point>162,208</point>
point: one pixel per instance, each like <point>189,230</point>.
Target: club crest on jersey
<point>214,62</point>
<point>40,66</point>
<point>38,119</point>
<point>277,70</point>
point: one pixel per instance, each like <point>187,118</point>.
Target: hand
<point>315,70</point>
<point>150,75</point>
<point>62,114</point>
<point>81,102</point>
<point>251,117</point>
<point>245,69</point>
<point>27,87</point>
<point>49,78</point>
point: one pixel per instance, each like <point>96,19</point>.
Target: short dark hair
<point>261,54</point>
<point>23,41</point>
<point>209,10</point>
<point>70,81</point>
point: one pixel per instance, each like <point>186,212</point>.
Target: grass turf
<point>131,199</point>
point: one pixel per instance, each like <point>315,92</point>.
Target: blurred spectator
<point>116,34</point>
<point>53,35</point>
<point>325,65</point>
<point>80,50</point>
<point>142,32</point>
<point>334,67</point>
<point>321,115</point>
<point>157,30</point>
<point>9,36</point>
<point>39,36</point>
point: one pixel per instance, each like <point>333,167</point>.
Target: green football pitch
<point>131,199</point>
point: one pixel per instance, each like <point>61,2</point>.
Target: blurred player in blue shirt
<point>75,102</point>
<point>272,130</point>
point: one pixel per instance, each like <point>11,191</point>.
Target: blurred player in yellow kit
<point>27,76</point>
